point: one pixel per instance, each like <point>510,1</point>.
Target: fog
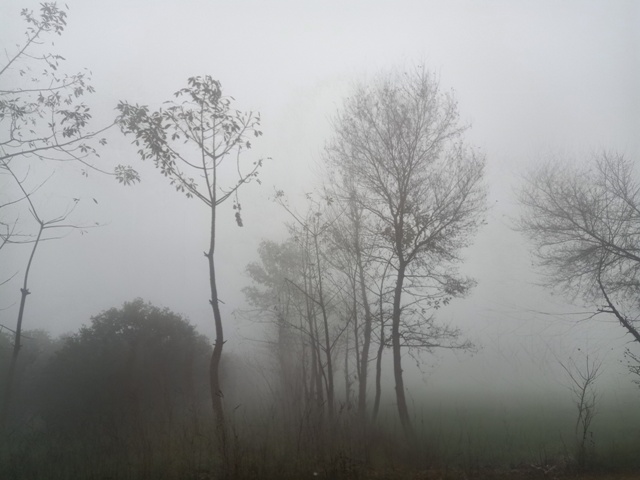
<point>533,79</point>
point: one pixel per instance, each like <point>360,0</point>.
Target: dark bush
<point>131,366</point>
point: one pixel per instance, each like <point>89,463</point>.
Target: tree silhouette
<point>192,139</point>
<point>400,141</point>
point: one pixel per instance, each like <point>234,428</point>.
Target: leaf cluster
<point>42,110</point>
<point>190,139</point>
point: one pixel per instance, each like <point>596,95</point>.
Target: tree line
<point>369,258</point>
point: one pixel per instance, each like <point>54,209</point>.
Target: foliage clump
<point>130,365</point>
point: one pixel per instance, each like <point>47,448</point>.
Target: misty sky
<point>533,78</point>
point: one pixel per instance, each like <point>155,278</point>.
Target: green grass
<point>453,435</point>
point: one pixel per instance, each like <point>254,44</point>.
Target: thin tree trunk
<point>316,364</point>
<point>325,321</point>
<point>17,337</point>
<point>356,325</point>
<point>362,355</point>
<point>8,394</point>
<point>381,345</point>
<point>401,400</point>
<point>376,403</point>
<point>313,380</point>
<point>366,340</point>
<point>216,356</point>
<point>312,342</point>
<point>347,381</point>
<point>320,377</point>
<point>305,385</point>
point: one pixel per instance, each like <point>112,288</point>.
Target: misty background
<point>533,79</point>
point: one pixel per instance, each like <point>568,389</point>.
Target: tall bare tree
<point>584,223</point>
<point>401,141</point>
<point>195,139</point>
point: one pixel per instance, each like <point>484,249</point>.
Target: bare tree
<point>283,306</point>
<point>584,223</point>
<point>310,230</point>
<point>582,385</point>
<point>401,142</point>
<point>353,253</point>
<point>194,139</point>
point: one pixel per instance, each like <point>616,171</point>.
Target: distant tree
<point>280,305</point>
<point>421,188</point>
<point>43,121</point>
<point>327,321</point>
<point>200,138</point>
<point>131,366</point>
<point>581,381</point>
<point>354,248</point>
<point>584,223</point>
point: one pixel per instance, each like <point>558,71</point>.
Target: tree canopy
<point>131,363</point>
<point>584,223</point>
<point>399,143</point>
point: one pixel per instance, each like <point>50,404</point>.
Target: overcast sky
<point>531,77</point>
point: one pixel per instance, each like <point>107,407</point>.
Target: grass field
<point>456,439</point>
